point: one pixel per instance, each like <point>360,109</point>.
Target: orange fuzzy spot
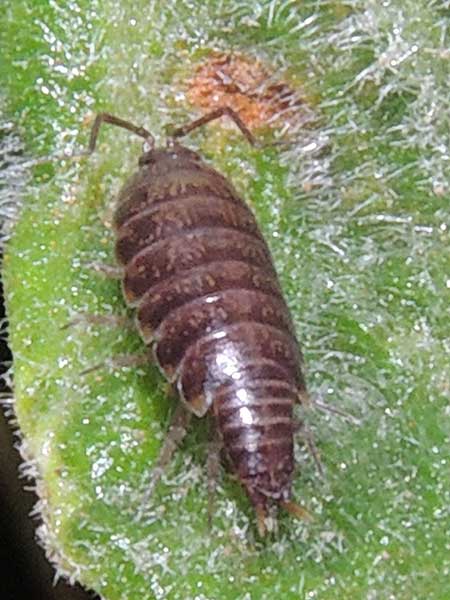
<point>247,86</point>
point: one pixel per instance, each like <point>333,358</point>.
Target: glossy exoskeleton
<point>208,303</point>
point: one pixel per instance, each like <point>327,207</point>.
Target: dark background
<point>26,573</point>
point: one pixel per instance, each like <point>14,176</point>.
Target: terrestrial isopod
<point>209,306</point>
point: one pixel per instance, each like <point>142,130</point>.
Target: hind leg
<point>305,400</point>
<point>179,424</point>
<point>310,443</point>
<point>213,468</point>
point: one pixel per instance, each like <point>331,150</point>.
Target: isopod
<point>209,306</point>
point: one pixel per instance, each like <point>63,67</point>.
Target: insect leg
<point>114,320</point>
<point>117,362</point>
<point>336,411</point>
<point>296,510</point>
<point>309,439</point>
<point>105,117</point>
<point>102,117</point>
<point>261,515</point>
<point>305,400</point>
<point>213,467</point>
<point>178,428</point>
<point>309,402</point>
<point>108,271</point>
<point>216,114</point>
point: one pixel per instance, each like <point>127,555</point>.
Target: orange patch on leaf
<point>248,87</point>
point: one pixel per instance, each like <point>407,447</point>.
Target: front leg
<point>108,271</point>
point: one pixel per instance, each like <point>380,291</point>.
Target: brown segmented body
<point>209,305</point>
